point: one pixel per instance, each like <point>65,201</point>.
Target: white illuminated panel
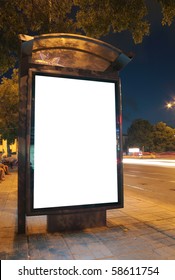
<point>74,142</point>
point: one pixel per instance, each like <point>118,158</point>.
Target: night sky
<point>148,81</point>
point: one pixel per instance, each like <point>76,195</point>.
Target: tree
<point>168,11</point>
<point>106,15</point>
<point>157,138</point>
<point>120,15</point>
<point>94,18</point>
<point>163,138</point>
<point>33,18</point>
<point>9,102</point>
<point>140,135</point>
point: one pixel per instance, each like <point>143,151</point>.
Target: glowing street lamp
<point>170,105</point>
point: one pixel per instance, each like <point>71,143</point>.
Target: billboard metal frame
<point>30,115</point>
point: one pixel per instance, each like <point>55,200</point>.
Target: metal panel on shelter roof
<point>74,51</point>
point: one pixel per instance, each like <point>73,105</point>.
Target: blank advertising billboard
<point>73,151</point>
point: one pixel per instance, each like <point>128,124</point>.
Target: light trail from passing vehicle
<point>155,162</point>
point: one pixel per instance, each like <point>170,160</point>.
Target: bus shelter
<point>70,130</point>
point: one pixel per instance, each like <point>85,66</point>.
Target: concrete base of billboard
<point>76,221</point>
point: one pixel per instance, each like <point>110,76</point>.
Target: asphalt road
<point>150,179</point>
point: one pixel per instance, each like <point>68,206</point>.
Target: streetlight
<point>170,105</point>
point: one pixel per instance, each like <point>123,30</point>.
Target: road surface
<point>152,179</point>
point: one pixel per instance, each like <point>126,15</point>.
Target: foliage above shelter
<point>116,16</point>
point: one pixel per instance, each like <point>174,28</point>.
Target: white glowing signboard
<point>74,152</point>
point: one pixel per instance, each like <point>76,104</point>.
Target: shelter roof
<point>74,51</point>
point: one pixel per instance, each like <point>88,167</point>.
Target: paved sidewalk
<point>141,230</point>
